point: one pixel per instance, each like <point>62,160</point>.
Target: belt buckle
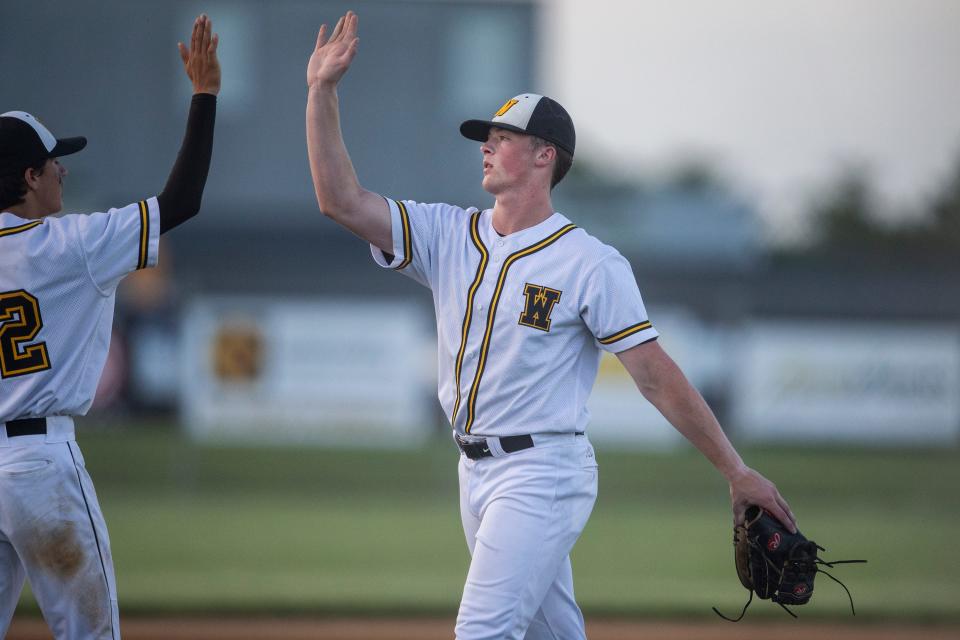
<point>474,450</point>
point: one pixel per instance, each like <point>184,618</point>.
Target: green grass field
<point>269,530</point>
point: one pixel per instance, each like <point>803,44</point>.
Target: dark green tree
<point>845,218</point>
<point>945,212</point>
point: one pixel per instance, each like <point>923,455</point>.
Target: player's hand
<point>331,58</point>
<point>749,487</point>
<point>200,60</point>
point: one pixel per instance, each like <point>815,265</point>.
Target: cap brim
<point>66,146</point>
<point>479,129</point>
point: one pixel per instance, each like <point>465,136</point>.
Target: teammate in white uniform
<point>58,277</point>
<point>525,304</point>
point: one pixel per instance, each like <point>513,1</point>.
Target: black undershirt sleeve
<point>180,199</point>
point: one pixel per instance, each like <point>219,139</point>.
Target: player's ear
<point>546,155</point>
<point>31,177</point>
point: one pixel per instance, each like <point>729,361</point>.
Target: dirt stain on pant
<point>93,606</point>
<point>58,551</point>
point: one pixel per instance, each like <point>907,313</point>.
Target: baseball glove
<point>775,564</point>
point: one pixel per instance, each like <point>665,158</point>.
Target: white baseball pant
<point>522,513</point>
<point>53,533</point>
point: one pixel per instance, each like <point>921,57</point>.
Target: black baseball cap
<point>531,114</point>
<point>24,140</point>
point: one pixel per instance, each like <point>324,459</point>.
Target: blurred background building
<point>825,307</point>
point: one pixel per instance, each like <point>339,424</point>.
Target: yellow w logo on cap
<point>506,107</point>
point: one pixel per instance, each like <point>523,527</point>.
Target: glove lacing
<point>819,562</point>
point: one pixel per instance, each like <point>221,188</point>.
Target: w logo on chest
<point>539,305</point>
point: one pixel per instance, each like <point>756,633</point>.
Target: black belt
<point>509,444</point>
<point>26,427</point>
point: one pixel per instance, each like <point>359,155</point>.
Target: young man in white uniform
<point>58,278</point>
<point>525,303</point>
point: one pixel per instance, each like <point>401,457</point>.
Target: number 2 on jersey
<point>20,322</point>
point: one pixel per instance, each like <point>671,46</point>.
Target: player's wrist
<point>735,471</point>
<point>322,86</point>
<point>206,85</point>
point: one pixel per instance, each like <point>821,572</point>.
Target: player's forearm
<point>334,178</point>
<point>665,386</point>
<point>181,197</point>
<point>339,193</point>
<point>688,412</point>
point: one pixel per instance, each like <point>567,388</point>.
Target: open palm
<point>200,58</point>
<point>331,58</point>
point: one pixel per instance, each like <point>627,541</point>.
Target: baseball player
<point>58,278</point>
<point>526,302</point>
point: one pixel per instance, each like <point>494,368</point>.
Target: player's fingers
<point>351,26</point>
<point>777,512</point>
<point>195,35</point>
<point>207,38</point>
<point>205,34</point>
<point>321,37</point>
<point>212,49</point>
<point>210,33</point>
<point>791,521</point>
<point>738,517</point>
<point>184,54</point>
<point>337,30</point>
<point>739,511</point>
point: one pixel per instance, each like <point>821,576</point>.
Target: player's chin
<point>490,185</point>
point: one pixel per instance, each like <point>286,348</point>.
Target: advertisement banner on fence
<point>848,382</point>
<point>324,371</point>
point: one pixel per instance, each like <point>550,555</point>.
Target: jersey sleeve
<point>612,307</point>
<point>120,241</point>
<point>417,232</point>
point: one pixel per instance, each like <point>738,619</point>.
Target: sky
<point>780,96</point>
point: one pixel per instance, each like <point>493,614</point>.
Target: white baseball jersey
<point>58,279</point>
<point>521,319</point>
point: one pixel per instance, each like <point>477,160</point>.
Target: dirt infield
<point>442,629</point>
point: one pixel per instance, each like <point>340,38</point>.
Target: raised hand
<point>331,58</point>
<point>200,60</point>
